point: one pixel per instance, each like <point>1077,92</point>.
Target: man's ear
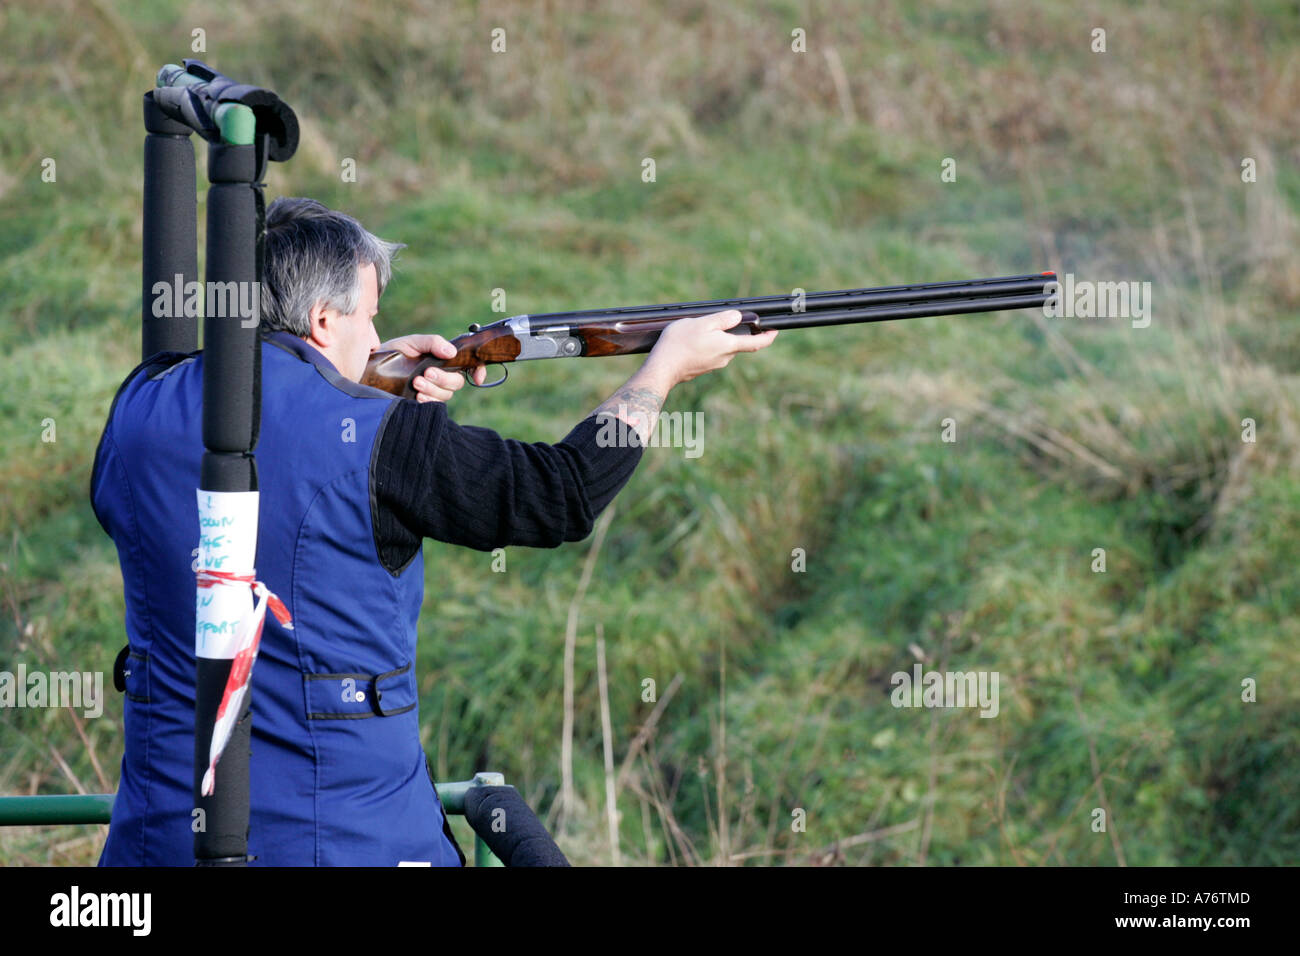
<point>323,320</point>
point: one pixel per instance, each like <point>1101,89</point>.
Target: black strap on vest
<point>119,669</point>
<point>446,824</point>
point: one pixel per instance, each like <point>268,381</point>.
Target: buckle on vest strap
<point>377,693</point>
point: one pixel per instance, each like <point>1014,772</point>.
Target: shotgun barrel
<point>780,304</point>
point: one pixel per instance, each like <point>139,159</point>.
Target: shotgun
<point>632,330</point>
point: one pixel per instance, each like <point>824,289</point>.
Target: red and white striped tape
<point>247,641</point>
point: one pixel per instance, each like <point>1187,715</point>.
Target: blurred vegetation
<point>775,169</point>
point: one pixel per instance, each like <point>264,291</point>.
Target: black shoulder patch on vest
<point>355,389</point>
<point>157,370</point>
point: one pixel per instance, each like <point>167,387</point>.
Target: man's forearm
<point>639,400</point>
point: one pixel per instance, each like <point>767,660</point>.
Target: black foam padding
<point>170,237</point>
<point>231,164</point>
<point>223,838</point>
<point>232,377</point>
<point>157,120</point>
<point>228,472</point>
<point>514,834</point>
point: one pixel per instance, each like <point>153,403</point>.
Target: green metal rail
<point>54,810</point>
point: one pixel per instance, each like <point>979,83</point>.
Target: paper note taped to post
<point>227,544</point>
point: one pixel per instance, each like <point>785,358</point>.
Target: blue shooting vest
<point>338,774</point>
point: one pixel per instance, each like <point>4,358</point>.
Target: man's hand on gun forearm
<point>686,349</point>
<point>434,384</point>
<point>691,347</point>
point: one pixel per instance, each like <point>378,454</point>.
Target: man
<point>351,482</point>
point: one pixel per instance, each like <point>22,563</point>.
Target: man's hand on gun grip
<point>434,384</point>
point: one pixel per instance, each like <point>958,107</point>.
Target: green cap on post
<point>237,123</point>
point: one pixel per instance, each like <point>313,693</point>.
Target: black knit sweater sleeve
<point>432,478</point>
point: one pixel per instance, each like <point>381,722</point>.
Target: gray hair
<point>312,254</point>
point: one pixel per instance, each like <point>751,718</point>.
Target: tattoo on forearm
<point>639,407</point>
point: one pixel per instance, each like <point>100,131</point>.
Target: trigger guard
<point>469,376</point>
